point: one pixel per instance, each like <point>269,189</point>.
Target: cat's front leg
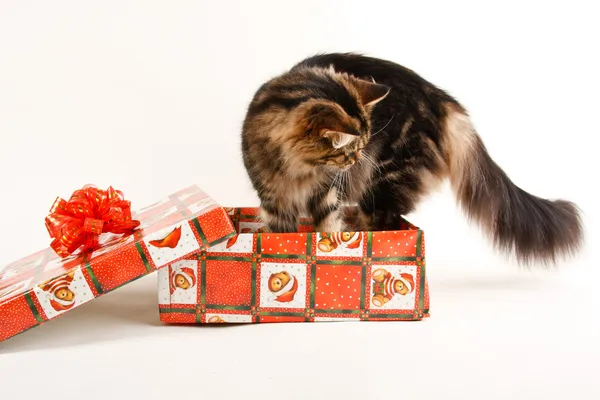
<point>279,220</point>
<point>325,209</point>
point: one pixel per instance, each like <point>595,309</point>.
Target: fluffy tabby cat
<point>346,128</point>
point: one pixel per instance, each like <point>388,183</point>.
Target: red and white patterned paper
<point>43,286</point>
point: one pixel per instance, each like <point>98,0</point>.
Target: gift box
<point>44,286</point>
<point>257,277</point>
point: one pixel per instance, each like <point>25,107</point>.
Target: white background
<point>149,97</point>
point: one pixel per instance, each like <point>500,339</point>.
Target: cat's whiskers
<point>369,160</point>
<point>385,126</point>
<point>334,182</point>
<point>347,186</point>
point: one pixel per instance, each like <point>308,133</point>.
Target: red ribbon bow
<point>88,213</point>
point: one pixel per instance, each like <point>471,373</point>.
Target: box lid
<point>43,286</point>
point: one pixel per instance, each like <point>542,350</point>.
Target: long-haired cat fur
<point>347,128</point>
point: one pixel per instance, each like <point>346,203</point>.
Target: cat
<point>348,128</point>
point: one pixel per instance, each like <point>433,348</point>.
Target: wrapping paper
<point>44,286</point>
<point>257,277</point>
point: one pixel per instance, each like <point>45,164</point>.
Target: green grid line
<point>403,316</point>
<point>235,218</point>
<point>422,287</point>
<point>200,232</point>
<point>171,310</point>
<point>285,256</point>
<point>246,216</point>
<point>226,307</point>
<point>419,243</point>
<point>94,279</point>
<point>363,287</point>
<point>407,259</point>
<point>313,284</point>
<point>258,243</point>
<point>322,311</point>
<point>339,262</point>
<point>33,308</point>
<point>253,283</point>
<point>140,250</point>
<point>203,282</point>
<point>254,276</point>
<point>313,270</point>
<point>221,240</point>
<point>363,278</point>
<point>281,314</point>
<point>228,258</point>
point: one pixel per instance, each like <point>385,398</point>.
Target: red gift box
<point>44,286</point>
<point>299,277</point>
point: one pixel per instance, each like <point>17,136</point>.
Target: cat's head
<point>324,116</point>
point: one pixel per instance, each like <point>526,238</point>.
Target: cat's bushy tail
<point>531,228</point>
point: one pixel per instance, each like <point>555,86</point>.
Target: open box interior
<point>247,220</point>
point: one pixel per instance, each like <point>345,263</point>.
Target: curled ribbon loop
<point>88,213</point>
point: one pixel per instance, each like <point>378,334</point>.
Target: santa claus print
<point>61,297</point>
<point>215,319</point>
<point>330,242</point>
<point>170,241</point>
<point>386,286</point>
<point>283,286</point>
<point>170,244</point>
<point>228,318</point>
<point>183,278</point>
<point>234,239</point>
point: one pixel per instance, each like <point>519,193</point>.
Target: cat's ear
<point>371,93</point>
